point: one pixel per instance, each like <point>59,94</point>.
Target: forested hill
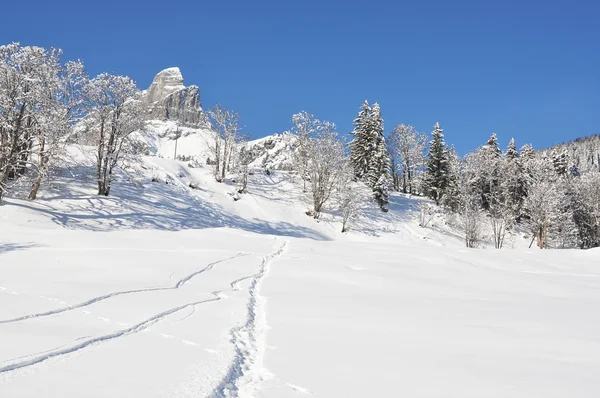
<point>582,153</point>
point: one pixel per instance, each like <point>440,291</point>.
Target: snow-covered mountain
<point>171,288</point>
<point>175,115</point>
<point>168,99</point>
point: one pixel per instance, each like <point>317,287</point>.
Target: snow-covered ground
<point>161,290</point>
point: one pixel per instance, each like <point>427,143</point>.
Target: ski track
<point>246,370</point>
<point>239,361</point>
<point>94,300</point>
<point>143,326</point>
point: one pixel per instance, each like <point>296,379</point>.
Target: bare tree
<point>305,127</point>
<point>19,84</point>
<point>115,112</point>
<point>63,91</point>
<point>225,131</point>
<point>36,110</point>
<point>547,205</point>
<point>407,147</point>
<point>468,203</point>
<point>350,198</point>
<point>326,165</point>
<point>242,162</point>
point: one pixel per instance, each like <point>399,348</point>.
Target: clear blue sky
<point>528,69</point>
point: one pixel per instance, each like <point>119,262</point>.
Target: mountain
<point>174,113</point>
<point>176,285</point>
<point>169,99</point>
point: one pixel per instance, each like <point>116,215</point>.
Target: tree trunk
<point>100,158</point>
<point>41,169</point>
<point>409,180</point>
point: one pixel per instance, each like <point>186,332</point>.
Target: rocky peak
<point>165,82</point>
<point>169,99</point>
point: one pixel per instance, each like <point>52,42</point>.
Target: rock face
<point>275,152</point>
<point>169,99</point>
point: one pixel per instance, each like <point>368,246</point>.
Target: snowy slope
<point>161,290</point>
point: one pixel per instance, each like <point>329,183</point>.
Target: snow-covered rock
<point>169,99</point>
<point>273,152</point>
<point>166,82</point>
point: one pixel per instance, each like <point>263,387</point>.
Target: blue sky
<point>528,69</point>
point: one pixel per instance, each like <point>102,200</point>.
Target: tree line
<point>542,193</point>
<point>47,103</point>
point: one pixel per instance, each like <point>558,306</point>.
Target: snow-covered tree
<point>369,152</point>
<point>452,197</point>
<point>349,196</point>
<point>242,162</point>
<point>585,201</point>
<point>494,198</point>
<point>63,106</point>
<point>39,97</point>
<point>225,132</point>
<point>513,180</point>
<point>436,178</point>
<point>407,149</point>
<point>511,150</point>
<point>548,207</point>
<point>378,171</point>
<point>492,145</point>
<point>560,160</point>
<point>305,126</point>
<point>395,166</point>
<point>363,142</point>
<point>115,112</point>
<point>326,165</point>
<point>469,203</point>
<point>19,97</point>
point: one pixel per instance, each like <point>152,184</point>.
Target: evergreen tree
<point>452,196</point>
<point>560,160</point>
<point>511,150</point>
<point>489,176</point>
<point>492,145</point>
<point>513,181</point>
<point>361,147</point>
<point>436,179</point>
<point>369,155</point>
<point>378,172</point>
<point>527,153</point>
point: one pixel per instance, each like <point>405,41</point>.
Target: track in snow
<point>64,351</point>
<point>94,300</point>
<point>246,370</point>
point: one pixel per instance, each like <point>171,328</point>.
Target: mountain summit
<point>169,99</point>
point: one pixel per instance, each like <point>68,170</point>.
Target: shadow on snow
<point>155,206</point>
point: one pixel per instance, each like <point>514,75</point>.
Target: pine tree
<point>361,147</point>
<point>378,172</point>
<point>436,179</point>
<point>492,145</point>
<point>527,152</point>
<point>452,196</point>
<point>513,181</point>
<point>511,150</point>
<point>489,176</point>
<point>560,160</point>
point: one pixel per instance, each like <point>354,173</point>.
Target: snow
<point>161,290</point>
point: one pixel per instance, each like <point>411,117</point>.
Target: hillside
<point>163,290</point>
<point>582,153</point>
